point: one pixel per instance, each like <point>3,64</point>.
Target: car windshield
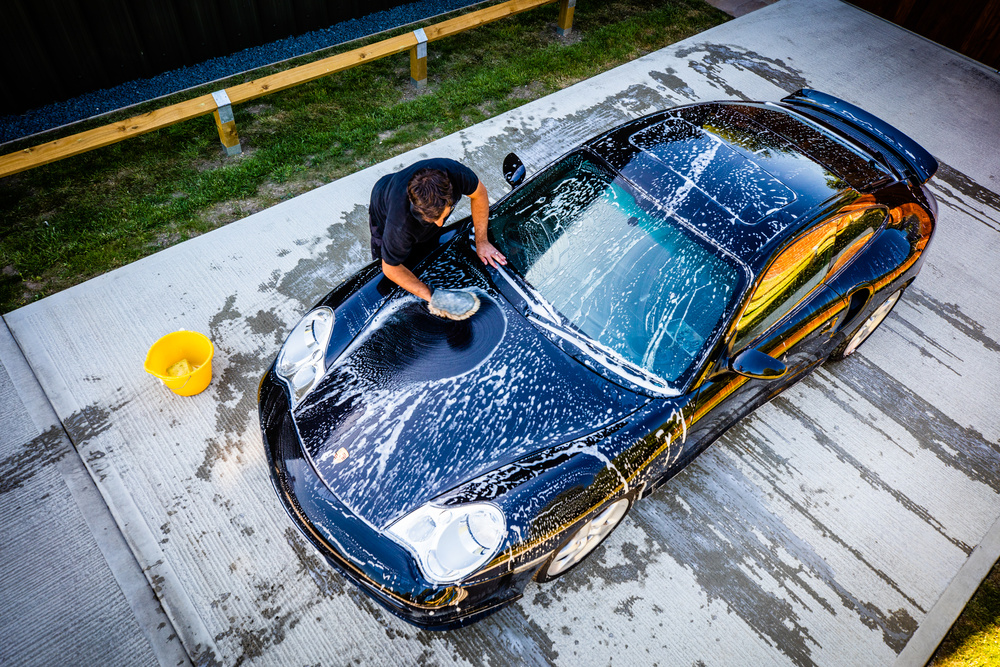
<point>617,268</point>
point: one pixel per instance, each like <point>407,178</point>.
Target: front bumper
<point>380,567</point>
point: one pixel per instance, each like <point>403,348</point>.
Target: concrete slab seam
<point>108,528</point>
<point>933,628</point>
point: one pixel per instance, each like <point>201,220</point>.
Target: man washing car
<point>407,209</point>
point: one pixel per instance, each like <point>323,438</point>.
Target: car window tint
<point>788,279</point>
<point>620,270</point>
<point>853,233</point>
<point>839,156</point>
<point>703,158</point>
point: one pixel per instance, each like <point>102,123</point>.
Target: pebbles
<point>16,126</point>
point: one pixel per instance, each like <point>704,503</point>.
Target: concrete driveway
<point>837,525</point>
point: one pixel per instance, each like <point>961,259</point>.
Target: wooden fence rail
<point>220,103</point>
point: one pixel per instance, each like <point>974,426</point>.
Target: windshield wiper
<point>607,358</point>
<point>534,303</point>
<point>542,313</point>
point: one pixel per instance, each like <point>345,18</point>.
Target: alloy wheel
<point>872,323</point>
<point>586,539</point>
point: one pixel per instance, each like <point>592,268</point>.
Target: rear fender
<point>882,261</point>
<point>890,261</point>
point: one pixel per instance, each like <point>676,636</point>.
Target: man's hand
<point>480,201</point>
<point>489,254</point>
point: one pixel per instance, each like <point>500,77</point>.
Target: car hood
<point>417,405</point>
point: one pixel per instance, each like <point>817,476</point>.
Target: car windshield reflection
<point>618,269</point>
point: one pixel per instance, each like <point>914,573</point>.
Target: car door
<point>791,316</point>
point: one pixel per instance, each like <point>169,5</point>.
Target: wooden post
<point>565,25</point>
<point>226,123</point>
<point>418,59</point>
<point>220,104</point>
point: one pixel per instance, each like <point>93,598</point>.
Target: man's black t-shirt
<point>394,228</point>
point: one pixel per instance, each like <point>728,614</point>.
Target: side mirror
<point>513,170</point>
<point>755,364</point>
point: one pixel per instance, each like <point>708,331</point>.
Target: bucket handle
<point>190,375</point>
<point>164,382</point>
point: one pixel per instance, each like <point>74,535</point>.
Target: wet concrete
<point>826,529</point>
<point>71,592</point>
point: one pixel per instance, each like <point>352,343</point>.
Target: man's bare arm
<point>480,202</point>
<point>403,277</point>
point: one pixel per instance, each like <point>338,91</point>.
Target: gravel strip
<point>50,116</point>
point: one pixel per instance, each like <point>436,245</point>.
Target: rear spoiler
<point>904,153</point>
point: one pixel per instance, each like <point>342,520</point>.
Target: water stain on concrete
<point>52,445</point>
<point>963,449</point>
<point>266,323</point>
<point>44,449</point>
<point>639,100</point>
<point>737,557</point>
<point>710,59</point>
<point>272,282</point>
<point>669,79</point>
<point>960,191</point>
<point>88,423</point>
<point>236,384</point>
<point>508,637</point>
<point>252,635</point>
<point>344,250</point>
<point>624,607</point>
<point>953,315</point>
<point>864,471</point>
<point>203,656</point>
<point>329,583</point>
<point>505,638</point>
<point>227,312</point>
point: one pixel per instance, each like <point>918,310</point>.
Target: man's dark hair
<point>430,193</point>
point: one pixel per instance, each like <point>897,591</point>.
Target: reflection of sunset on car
<point>664,280</point>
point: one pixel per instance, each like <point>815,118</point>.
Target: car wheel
<point>586,538</point>
<point>861,334</point>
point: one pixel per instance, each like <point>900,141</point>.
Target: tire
<point>584,540</point>
<point>861,334</point>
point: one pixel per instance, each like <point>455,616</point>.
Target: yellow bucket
<point>183,361</point>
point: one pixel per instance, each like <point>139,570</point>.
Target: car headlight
<point>450,543</point>
<point>302,360</point>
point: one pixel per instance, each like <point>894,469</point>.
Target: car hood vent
<point>418,405</point>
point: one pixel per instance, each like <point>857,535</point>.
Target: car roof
<point>746,175</point>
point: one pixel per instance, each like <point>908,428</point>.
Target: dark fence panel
<point>971,27</point>
<point>53,50</point>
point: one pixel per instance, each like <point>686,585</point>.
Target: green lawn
<point>69,221</point>
<point>974,639</point>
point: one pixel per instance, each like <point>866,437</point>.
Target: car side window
<point>854,231</point>
<point>793,274</point>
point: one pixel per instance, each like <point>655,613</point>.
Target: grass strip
<point>974,639</point>
<point>69,221</point>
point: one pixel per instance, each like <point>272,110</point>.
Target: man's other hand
<point>489,254</point>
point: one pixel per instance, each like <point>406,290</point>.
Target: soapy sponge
<point>180,369</point>
<point>453,304</point>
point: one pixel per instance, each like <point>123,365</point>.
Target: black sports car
<point>665,279</point>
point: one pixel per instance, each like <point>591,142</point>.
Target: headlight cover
<point>450,543</point>
<point>301,361</point>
